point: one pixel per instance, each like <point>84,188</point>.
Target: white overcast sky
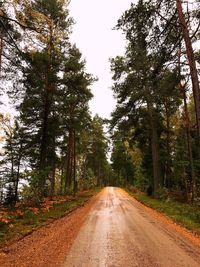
<point>94,36</point>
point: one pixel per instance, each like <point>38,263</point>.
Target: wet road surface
<point>118,233</point>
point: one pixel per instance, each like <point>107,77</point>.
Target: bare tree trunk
<point>74,167</point>
<point>69,163</point>
<point>71,160</point>
<point>118,174</point>
<point>189,144</point>
<point>48,92</point>
<point>1,52</point>
<point>43,145</point>
<point>62,176</point>
<point>17,178</point>
<point>53,174</point>
<point>99,175</point>
<point>192,63</point>
<point>167,178</point>
<point>154,150</point>
<point>53,165</point>
<point>44,137</point>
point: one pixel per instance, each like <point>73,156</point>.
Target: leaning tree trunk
<point>192,63</point>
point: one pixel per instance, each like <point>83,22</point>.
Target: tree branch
<point>24,27</point>
<point>193,35</point>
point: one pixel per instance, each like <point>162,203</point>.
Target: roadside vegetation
<point>20,221</point>
<point>184,214</point>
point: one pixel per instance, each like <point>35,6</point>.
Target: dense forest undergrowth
<point>52,146</point>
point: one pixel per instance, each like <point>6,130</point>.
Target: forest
<point>156,124</point>
<point>51,145</point>
<point>50,142</point>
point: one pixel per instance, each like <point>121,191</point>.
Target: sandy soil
<point>112,230</point>
<point>120,232</point>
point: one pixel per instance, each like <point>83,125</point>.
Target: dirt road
<point>111,230</point>
<point>119,233</point>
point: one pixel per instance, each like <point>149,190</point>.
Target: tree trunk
<point>62,176</point>
<point>99,176</point>
<point>118,175</point>
<point>192,63</point>
<point>154,150</point>
<point>71,169</point>
<point>74,165</point>
<point>52,189</point>
<point>17,178</point>
<point>48,93</point>
<point>69,163</point>
<point>167,171</point>
<point>189,144</point>
<point>1,52</point>
<point>43,146</point>
<point>53,164</point>
<point>44,137</point>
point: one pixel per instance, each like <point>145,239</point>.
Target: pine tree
<point>11,165</point>
<point>74,97</point>
<point>40,84</point>
<point>97,158</point>
<point>138,75</point>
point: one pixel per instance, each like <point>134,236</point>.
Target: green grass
<point>28,222</point>
<point>182,213</point>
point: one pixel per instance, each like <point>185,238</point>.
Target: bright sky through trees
<point>94,36</point>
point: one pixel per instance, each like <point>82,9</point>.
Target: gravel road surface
<point>119,232</point>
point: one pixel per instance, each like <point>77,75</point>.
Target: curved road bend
<point>117,233</point>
